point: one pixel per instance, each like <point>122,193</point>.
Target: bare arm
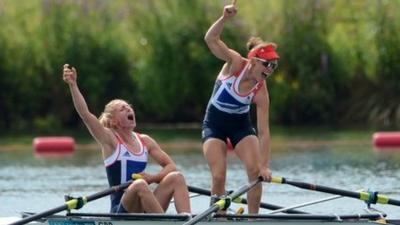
<point>160,157</point>
<point>262,102</point>
<point>216,45</point>
<point>101,134</point>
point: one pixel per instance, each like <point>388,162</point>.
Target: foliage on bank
<point>339,59</point>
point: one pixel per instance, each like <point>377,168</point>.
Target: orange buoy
<point>386,139</point>
<point>53,145</point>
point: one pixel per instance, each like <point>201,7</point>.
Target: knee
<point>138,186</point>
<point>253,172</point>
<point>175,177</point>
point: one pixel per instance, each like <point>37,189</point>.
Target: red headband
<point>266,52</point>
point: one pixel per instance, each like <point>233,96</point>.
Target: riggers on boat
<point>210,216</point>
<point>228,219</point>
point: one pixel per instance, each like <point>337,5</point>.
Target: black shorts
<point>118,209</point>
<point>116,204</point>
<point>221,125</point>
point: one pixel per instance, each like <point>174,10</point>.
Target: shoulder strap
<point>119,139</point>
<point>140,138</point>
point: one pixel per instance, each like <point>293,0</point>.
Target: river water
<point>32,184</point>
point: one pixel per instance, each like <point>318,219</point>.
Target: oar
<point>368,197</point>
<point>306,204</point>
<point>244,201</point>
<point>76,203</point>
<point>224,202</point>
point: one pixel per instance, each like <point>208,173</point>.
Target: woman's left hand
<point>265,173</point>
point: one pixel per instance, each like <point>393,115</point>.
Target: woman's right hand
<point>69,74</point>
<point>229,11</point>
<point>147,177</point>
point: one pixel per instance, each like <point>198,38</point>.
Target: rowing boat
<point>167,219</point>
<point>210,216</point>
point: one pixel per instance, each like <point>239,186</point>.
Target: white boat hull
<point>164,219</point>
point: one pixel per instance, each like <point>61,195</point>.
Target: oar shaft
<point>325,189</point>
<point>393,201</point>
<point>216,206</point>
<point>40,215</point>
<point>199,190</point>
<point>245,188</point>
<point>203,215</point>
<point>276,207</point>
<point>71,204</point>
<point>304,204</point>
<point>263,205</point>
<point>108,191</point>
<point>365,196</point>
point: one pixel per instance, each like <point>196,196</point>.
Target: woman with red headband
<point>240,83</point>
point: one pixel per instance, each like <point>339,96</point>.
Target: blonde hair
<point>256,42</point>
<point>107,115</point>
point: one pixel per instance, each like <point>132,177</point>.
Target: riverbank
<point>182,138</point>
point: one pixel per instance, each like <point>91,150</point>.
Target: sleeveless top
<point>226,96</point>
<point>123,163</point>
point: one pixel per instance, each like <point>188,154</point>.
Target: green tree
<point>309,83</point>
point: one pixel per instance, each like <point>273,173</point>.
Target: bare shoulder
<point>152,146</point>
<point>144,137</point>
<point>148,141</point>
<point>237,63</point>
<point>262,96</point>
<point>236,58</point>
<point>109,142</point>
<point>109,135</point>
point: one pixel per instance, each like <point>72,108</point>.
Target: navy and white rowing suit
<point>228,110</point>
<point>121,165</point>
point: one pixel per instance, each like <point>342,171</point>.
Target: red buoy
<point>229,145</point>
<point>386,139</point>
<point>53,145</point>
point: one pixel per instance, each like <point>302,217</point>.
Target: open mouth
<point>130,117</point>
<point>265,75</point>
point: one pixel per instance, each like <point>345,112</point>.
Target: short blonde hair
<point>108,114</point>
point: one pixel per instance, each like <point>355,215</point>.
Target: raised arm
<point>101,134</point>
<point>214,42</point>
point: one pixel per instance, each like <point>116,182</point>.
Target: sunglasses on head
<point>268,64</point>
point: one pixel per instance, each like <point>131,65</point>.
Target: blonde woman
<point>126,152</point>
<point>240,83</point>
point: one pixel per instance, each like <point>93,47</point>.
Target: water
<point>35,184</point>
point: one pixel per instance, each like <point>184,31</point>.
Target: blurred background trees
<point>339,59</point>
